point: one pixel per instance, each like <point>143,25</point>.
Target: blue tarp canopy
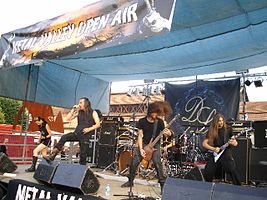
<point>207,36</point>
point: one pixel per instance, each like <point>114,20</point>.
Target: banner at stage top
<point>198,102</point>
<point>99,25</point>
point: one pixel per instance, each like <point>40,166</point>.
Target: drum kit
<point>185,150</point>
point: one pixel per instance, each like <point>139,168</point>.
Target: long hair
<point>165,108</point>
<point>87,106</point>
<point>153,108</point>
<point>213,130</point>
<point>38,118</point>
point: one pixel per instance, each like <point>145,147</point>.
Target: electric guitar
<point>149,148</point>
<point>223,147</point>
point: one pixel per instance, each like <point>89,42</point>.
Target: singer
<point>88,121</point>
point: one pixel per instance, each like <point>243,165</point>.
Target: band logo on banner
<point>24,190</point>
<point>198,102</point>
<point>99,25</point>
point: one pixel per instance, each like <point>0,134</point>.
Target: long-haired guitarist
<point>218,135</point>
<point>149,128</point>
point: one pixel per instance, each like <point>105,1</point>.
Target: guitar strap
<point>155,126</point>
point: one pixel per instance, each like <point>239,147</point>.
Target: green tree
<point>2,117</point>
<point>10,108</point>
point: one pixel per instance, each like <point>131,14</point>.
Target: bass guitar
<point>149,148</point>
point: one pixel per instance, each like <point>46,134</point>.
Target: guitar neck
<point>161,132</point>
<point>236,136</point>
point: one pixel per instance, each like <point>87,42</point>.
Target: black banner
<point>24,190</point>
<point>198,102</point>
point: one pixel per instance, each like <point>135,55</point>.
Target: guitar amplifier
<point>241,155</point>
<point>239,126</point>
<point>260,133</point>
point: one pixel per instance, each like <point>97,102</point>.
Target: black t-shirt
<point>43,130</point>
<point>148,127</point>
<point>223,137</point>
<point>3,149</point>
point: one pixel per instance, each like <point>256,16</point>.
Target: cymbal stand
<point>195,153</point>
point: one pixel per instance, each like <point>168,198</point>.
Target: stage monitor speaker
<point>106,155</point>
<point>6,165</point>
<point>45,171</point>
<point>233,192</point>
<point>194,174</point>
<point>260,133</point>
<point>183,189</point>
<point>258,165</point>
<point>75,178</point>
<point>107,134</point>
<point>241,155</point>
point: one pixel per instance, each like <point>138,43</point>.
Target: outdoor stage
<point>142,188</point>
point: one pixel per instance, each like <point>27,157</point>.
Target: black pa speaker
<point>258,165</point>
<point>6,165</point>
<point>260,133</point>
<point>76,178</point>
<point>241,154</point>
<point>45,172</point>
<point>183,189</point>
<point>106,155</point>
<point>108,133</point>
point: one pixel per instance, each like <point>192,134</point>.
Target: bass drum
<point>125,158</point>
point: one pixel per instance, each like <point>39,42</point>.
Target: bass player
<point>149,128</point>
<point>219,133</point>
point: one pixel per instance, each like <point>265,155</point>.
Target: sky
<point>15,14</point>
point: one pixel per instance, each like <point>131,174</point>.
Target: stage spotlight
<point>247,82</point>
<point>258,83</point>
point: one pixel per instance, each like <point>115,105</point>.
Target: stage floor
<point>141,187</point>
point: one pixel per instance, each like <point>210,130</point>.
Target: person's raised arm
<point>73,113</point>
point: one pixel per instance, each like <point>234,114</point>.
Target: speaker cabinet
<point>108,133</point>
<point>241,155</point>
<point>6,165</point>
<point>45,172</point>
<point>186,189</point>
<point>76,178</point>
<point>260,133</point>
<point>258,166</point>
<point>106,155</point>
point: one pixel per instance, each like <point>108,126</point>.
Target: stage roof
<point>206,36</point>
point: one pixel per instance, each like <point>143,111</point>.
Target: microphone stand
<point>130,193</point>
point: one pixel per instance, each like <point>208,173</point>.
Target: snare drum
<point>125,158</point>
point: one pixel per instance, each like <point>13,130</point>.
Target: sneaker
<point>127,184</point>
